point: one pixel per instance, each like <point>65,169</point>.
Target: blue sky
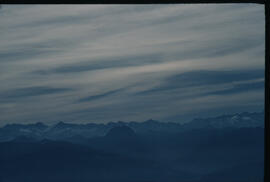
<point>101,63</point>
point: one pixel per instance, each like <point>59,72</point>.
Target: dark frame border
<point>267,45</point>
<point>128,1</point>
<point>267,94</point>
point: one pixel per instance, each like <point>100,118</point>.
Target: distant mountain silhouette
<point>239,120</point>
<point>71,131</point>
<point>196,155</point>
<point>202,150</point>
<point>121,132</point>
<point>120,139</point>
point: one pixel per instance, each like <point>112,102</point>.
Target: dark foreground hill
<point>65,162</point>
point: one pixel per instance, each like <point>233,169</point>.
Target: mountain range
<point>230,150</point>
<point>65,131</point>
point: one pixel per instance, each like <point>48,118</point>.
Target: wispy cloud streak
<point>109,62</point>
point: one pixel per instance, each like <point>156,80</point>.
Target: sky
<point>102,63</point>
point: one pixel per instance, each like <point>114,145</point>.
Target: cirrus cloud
<point>100,63</point>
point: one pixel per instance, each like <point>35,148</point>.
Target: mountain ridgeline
<point>65,131</point>
<point>227,148</point>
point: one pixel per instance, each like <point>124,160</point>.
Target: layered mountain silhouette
<point>231,150</point>
<point>62,161</point>
<point>121,133</point>
<point>63,131</point>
